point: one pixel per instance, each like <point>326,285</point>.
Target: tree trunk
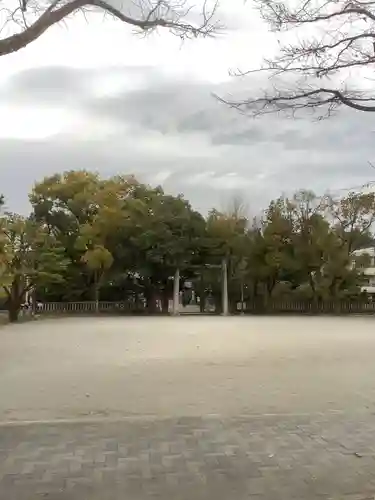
<point>315,305</point>
<point>242,297</point>
<point>34,305</point>
<point>151,297</point>
<point>232,305</point>
<point>176,293</point>
<point>165,300</point>
<point>96,287</point>
<point>202,294</point>
<point>218,303</point>
<point>270,285</point>
<point>16,295</point>
<point>202,302</point>
<point>13,311</point>
<point>97,297</point>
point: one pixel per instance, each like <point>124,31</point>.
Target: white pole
<point>176,293</point>
<point>225,287</point>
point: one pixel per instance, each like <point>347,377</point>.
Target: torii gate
<point>224,285</point>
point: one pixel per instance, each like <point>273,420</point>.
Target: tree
<point>29,257</point>
<point>300,249</point>
<point>66,203</point>
<point>272,253</point>
<point>87,214</point>
<point>165,237</point>
<point>227,238</point>
<point>115,230</point>
<point>353,217</point>
<point>126,240</point>
<point>308,237</point>
<point>98,237</point>
<point>34,18</point>
<point>326,40</point>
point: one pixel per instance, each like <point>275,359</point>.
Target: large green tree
<point>29,257</point>
<point>128,239</point>
<point>165,236</point>
<point>117,228</point>
<point>227,244</point>
<point>304,246</point>
<point>86,214</point>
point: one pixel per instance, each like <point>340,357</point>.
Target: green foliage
<point>90,237</point>
<point>86,213</point>
<point>29,257</point>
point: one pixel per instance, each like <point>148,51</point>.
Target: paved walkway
<point>192,458</point>
<point>226,436</point>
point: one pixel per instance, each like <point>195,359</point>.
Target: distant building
<point>368,269</point>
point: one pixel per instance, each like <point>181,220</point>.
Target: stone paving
<point>274,457</point>
<point>188,410</point>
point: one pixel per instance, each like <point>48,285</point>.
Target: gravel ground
<point>203,408</point>
<point>186,366</point>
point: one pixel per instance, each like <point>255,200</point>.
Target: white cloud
<point>95,41</point>
<point>32,122</point>
<point>93,95</point>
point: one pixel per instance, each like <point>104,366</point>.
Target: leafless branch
<point>294,100</point>
<point>341,44</point>
<point>168,14</point>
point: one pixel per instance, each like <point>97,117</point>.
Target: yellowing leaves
<point>98,258</point>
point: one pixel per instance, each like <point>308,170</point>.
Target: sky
<point>93,94</point>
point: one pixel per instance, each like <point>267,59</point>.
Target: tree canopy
<point>117,239</point>
<point>29,257</point>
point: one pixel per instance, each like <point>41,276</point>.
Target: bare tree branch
<point>339,44</point>
<point>167,14</point>
<point>330,99</point>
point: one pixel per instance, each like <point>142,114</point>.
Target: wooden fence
<point>273,307</point>
<point>309,307</point>
<point>90,307</point>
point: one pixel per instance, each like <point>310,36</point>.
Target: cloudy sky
<point>91,94</point>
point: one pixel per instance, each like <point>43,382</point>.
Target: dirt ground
<point>186,366</point>
<point>204,408</point>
